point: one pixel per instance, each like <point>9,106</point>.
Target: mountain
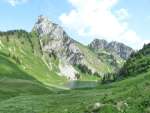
<point>54,40</point>
<point>22,93</point>
<point>24,51</point>
<point>48,55</point>
<point>120,49</point>
<point>37,69</point>
<point>71,54</point>
<point>57,57</point>
<point>113,53</point>
<point>138,62</point>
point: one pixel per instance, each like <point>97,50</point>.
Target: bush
<point>84,69</point>
<point>77,75</point>
<point>17,60</point>
<point>109,77</point>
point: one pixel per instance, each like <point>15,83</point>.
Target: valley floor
<point>131,95</point>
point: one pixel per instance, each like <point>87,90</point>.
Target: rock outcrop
<point>70,53</point>
<point>113,47</point>
<point>98,44</point>
<point>121,49</point>
<point>55,40</point>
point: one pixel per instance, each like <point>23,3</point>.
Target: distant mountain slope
<point>118,48</point>
<point>139,62</point>
<point>24,50</point>
<point>113,53</point>
<point>69,52</point>
<point>33,66</point>
<point>50,56</point>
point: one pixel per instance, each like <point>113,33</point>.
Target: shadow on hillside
<point>16,82</point>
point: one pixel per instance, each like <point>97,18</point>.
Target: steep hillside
<point>14,81</point>
<point>24,50</point>
<point>36,67</point>
<point>71,54</point>
<point>49,55</point>
<point>113,54</point>
<point>139,62</point>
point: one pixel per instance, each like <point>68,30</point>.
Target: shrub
<point>84,69</point>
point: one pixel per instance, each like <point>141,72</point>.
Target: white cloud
<point>122,14</point>
<point>94,18</point>
<point>16,2</point>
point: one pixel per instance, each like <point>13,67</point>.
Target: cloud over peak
<point>95,18</point>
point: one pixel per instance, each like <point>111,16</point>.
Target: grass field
<point>29,83</point>
<point>131,95</point>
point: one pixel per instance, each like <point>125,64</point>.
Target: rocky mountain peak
<point>42,18</point>
<point>55,40</point>
<point>121,49</point>
<point>46,27</point>
<point>98,44</point>
<point>58,40</point>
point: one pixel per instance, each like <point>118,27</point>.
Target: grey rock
<point>94,108</point>
<point>98,44</point>
<point>45,27</point>
<point>59,42</point>
<point>113,47</point>
<point>121,49</point>
<point>54,40</point>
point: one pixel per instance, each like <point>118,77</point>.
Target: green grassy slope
<point>24,50</point>
<point>25,74</point>
<point>113,61</point>
<point>93,61</point>
<point>14,81</point>
<point>139,62</point>
<point>128,96</point>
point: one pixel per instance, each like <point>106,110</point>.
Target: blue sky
<point>24,15</point>
<point>126,21</point>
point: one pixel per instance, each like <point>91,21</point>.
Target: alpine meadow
<point>46,69</point>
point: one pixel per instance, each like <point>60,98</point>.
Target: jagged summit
<point>46,27</point>
<point>121,49</point>
<point>42,25</point>
<point>55,40</point>
<point>42,18</point>
<point>98,44</point>
<point>71,54</point>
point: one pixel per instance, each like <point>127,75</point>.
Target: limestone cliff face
<point>98,44</point>
<point>55,40</point>
<point>113,47</point>
<point>122,50</point>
